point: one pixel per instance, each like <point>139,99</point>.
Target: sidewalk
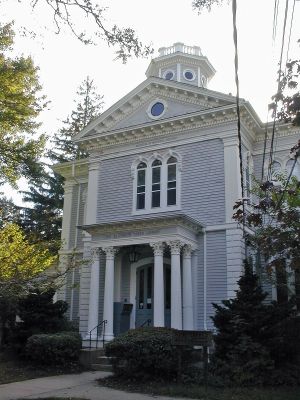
<point>82,385</point>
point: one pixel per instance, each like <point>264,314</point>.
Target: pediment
<point>133,109</point>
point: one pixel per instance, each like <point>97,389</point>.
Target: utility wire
<point>292,20</point>
<point>278,88</point>
<point>287,182</point>
<point>275,15</point>
<point>236,65</point>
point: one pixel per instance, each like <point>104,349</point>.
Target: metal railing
<point>103,324</point>
<point>146,323</point>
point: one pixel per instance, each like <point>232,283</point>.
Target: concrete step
<point>101,367</point>
<point>89,356</point>
<point>103,360</point>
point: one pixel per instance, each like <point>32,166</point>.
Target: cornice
<point>143,224</point>
<point>197,120</point>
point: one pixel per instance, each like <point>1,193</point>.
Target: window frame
<point>164,207</point>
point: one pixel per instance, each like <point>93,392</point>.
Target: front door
<point>144,295</point>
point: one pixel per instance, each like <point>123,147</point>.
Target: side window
<point>296,170</point>
<point>171,184</point>
<point>276,168</point>
<point>156,183</point>
<point>141,186</point>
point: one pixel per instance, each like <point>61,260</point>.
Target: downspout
<point>204,281</point>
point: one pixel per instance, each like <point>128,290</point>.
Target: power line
<point>278,89</point>
<point>236,65</point>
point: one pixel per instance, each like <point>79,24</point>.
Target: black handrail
<point>148,322</point>
<point>104,322</point>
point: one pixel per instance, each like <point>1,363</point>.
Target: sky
<point>64,62</point>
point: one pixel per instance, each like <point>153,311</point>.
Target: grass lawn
<point>198,392</point>
<point>13,370</point>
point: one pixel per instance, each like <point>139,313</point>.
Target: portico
<point>166,246</point>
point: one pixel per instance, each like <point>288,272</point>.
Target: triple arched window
<point>156,184</point>
<point>278,168</point>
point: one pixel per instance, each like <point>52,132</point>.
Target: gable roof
<point>192,98</point>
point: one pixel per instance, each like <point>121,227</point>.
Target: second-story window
<point>156,182</point>
<point>171,188</point>
<point>141,186</point>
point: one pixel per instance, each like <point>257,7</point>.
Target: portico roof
<point>145,229</point>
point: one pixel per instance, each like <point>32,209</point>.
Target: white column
<point>187,294</point>
<point>233,190</point>
<point>94,294</point>
<point>108,312</point>
<point>159,293</point>
<point>67,213</point>
<point>92,194</point>
<point>176,297</point>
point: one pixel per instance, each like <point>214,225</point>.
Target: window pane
<point>141,165</point>
<point>141,177</point>
<point>172,160</point>
<point>156,187</point>
<point>156,199</point>
<point>172,172</point>
<point>156,175</point>
<point>172,185</point>
<point>140,201</point>
<point>296,170</point>
<point>276,167</point>
<point>141,289</point>
<point>149,288</point>
<point>141,189</point>
<point>171,197</point>
<point>156,163</point>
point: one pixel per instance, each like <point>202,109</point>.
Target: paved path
<point>82,385</point>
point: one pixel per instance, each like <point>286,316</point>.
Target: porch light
<point>133,254</point>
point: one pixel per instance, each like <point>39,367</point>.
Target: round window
<point>157,109</point>
<point>169,75</point>
<point>189,75</point>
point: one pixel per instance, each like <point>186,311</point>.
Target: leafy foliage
<point>202,4</point>
<point>286,104</point>
<point>19,106</point>
<point>22,262</point>
<point>54,349</point>
<point>144,353</point>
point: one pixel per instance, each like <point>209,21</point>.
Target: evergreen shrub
<point>145,353</point>
<point>54,349</point>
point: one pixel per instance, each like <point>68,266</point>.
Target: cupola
<point>182,63</point>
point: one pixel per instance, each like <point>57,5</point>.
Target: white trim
<point>153,102</point>
<point>178,72</point>
<point>164,184</point>
<point>199,77</point>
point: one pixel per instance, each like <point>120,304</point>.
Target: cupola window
<point>189,75</point>
<point>169,75</point>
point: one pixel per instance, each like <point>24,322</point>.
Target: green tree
<point>46,189</point>
<point>19,107</point>
<point>255,341</point>
<point>23,264</point>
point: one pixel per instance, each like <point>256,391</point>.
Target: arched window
<point>276,168</point>
<point>141,186</point>
<point>171,184</point>
<point>296,170</point>
<point>156,183</point>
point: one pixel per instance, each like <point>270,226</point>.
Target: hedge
<point>145,353</point>
<point>54,349</point>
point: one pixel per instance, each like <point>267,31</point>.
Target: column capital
<point>187,251</point>
<point>110,252</point>
<point>175,246</point>
<point>158,248</point>
<point>95,252</point>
